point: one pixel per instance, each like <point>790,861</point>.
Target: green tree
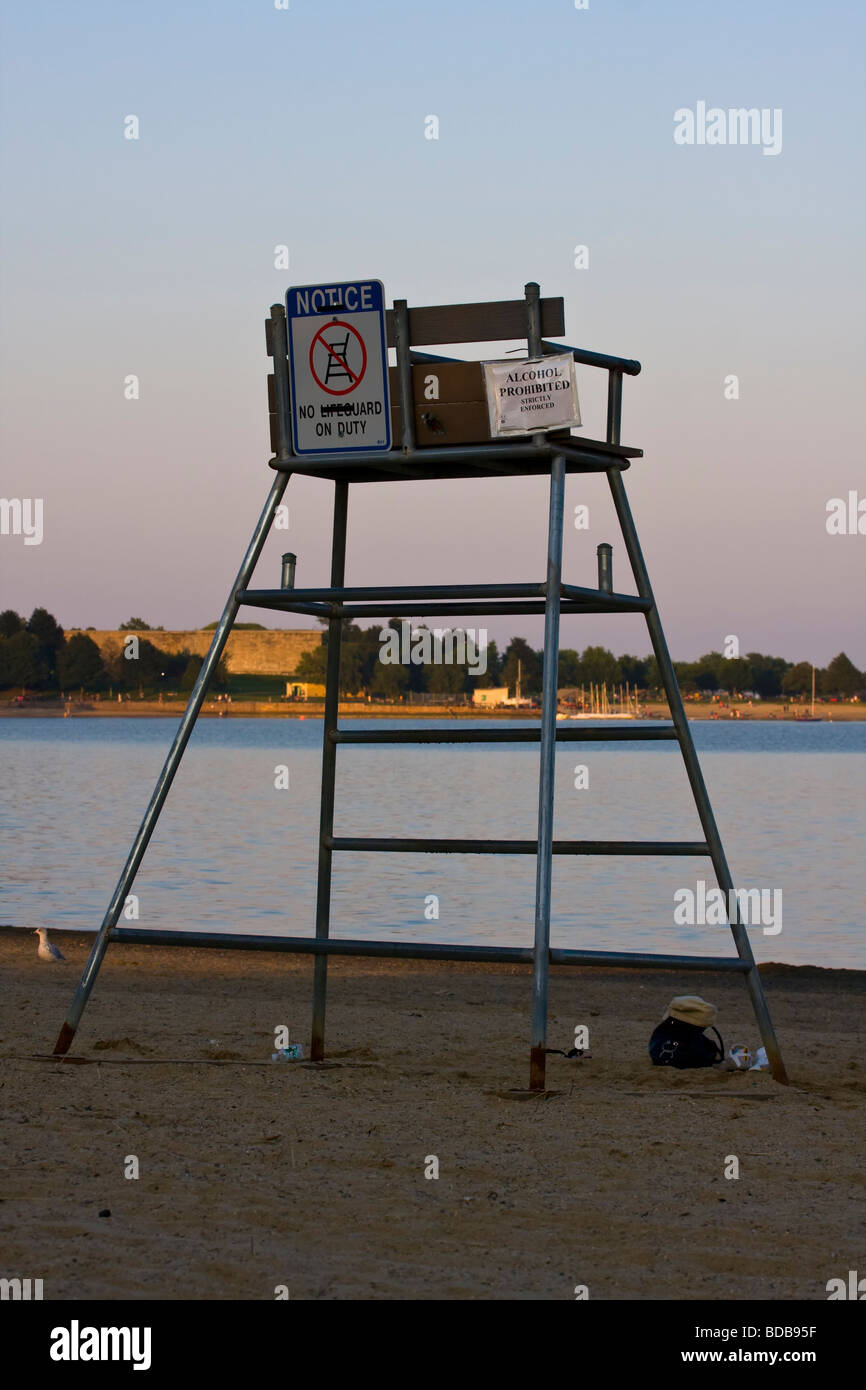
<point>493,675</point>
<point>137,625</point>
<point>597,665</point>
<point>842,677</point>
<point>359,658</point>
<point>49,639</point>
<point>18,660</point>
<point>634,670</point>
<point>191,668</point>
<point>530,663</point>
<point>417,673</point>
<point>767,674</point>
<point>312,665</point>
<point>151,669</point>
<point>569,667</point>
<point>357,661</point>
<point>705,671</point>
<point>797,680</point>
<point>687,676</point>
<point>734,674</point>
<point>446,678</point>
<point>653,676</point>
<point>123,674</point>
<point>388,681</point>
<point>190,672</point>
<point>80,664</point>
<point>10,623</point>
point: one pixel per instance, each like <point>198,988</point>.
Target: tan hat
<point>691,1008</point>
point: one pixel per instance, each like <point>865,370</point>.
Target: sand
<point>264,1174</point>
<point>829,712</point>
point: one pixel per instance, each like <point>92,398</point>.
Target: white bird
<point>45,950</point>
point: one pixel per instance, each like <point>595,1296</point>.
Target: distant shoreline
<point>767,710</point>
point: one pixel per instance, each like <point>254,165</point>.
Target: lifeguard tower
<point>446,434</point>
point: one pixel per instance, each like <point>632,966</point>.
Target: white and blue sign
<point>338,362</point>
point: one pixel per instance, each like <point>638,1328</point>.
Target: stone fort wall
<point>268,653</point>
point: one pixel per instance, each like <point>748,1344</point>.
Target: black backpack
<point>678,1044</point>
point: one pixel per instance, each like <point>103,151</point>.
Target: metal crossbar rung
<point>432,950</point>
<point>285,601</point>
<point>312,945</point>
<point>576,594</point>
<point>405,592</point>
<point>590,734</point>
<point>379,845</point>
<point>384,592</point>
<point>646,960</point>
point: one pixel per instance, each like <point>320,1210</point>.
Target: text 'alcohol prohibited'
<point>338,362</point>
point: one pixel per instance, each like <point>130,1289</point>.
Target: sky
<point>305,127</point>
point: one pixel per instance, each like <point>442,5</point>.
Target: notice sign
<point>338,363</point>
<point>533,395</point>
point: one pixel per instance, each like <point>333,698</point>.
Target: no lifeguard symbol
<point>333,351</point>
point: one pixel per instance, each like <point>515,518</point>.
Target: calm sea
<point>231,852</point>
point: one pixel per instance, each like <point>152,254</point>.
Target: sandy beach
<point>314,709</point>
<point>254,1174</point>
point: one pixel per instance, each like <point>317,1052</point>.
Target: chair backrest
<point>477,323</point>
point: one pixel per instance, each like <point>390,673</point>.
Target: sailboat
<point>600,706</point>
<point>812,718</point>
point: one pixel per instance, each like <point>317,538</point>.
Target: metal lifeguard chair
<point>451,439</point>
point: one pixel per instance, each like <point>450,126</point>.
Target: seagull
<point>45,950</point>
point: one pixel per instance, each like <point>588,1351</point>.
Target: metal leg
<point>329,772</point>
<point>544,863</point>
<point>695,776</point>
<point>166,777</point>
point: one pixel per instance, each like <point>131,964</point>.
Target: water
<point>232,853</point>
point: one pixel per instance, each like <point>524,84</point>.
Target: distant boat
<point>603,714</point>
<point>600,705</point>
<point>812,718</point>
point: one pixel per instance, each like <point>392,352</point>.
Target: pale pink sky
<point>156,257</point>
